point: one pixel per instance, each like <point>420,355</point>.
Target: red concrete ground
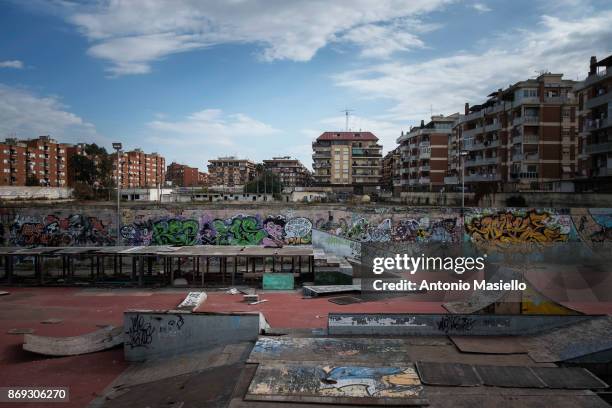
<point>82,311</point>
<point>86,375</point>
<point>290,310</point>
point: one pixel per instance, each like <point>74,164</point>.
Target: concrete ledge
<point>418,324</point>
<point>151,334</point>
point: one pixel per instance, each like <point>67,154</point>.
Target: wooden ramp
<point>102,339</point>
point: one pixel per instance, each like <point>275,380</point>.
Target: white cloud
<point>16,64</point>
<point>445,83</point>
<point>25,115</point>
<point>210,133</point>
<point>133,34</point>
<point>481,7</point>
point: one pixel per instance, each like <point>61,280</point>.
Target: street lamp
<point>462,154</point>
<point>117,146</point>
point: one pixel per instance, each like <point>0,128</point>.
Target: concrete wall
<point>532,199</point>
<point>35,193</point>
<point>154,334</point>
<point>341,228</point>
<point>381,324</point>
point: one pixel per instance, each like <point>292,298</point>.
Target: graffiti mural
<point>518,226</point>
<point>298,231</point>
<point>53,230</point>
<point>425,230</point>
<point>307,381</point>
<point>594,225</point>
<point>175,232</point>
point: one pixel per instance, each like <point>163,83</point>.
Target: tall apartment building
<point>424,154</point>
<point>522,138</point>
<point>203,179</point>
<point>140,170</point>
<point>182,175</point>
<point>43,160</point>
<point>13,156</point>
<point>230,171</point>
<point>291,172</point>
<point>347,159</point>
<point>595,127</point>
<point>391,166</point>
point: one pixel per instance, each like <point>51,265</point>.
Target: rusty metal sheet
<point>329,384</point>
<point>489,344</point>
<point>572,378</point>
<point>449,374</point>
<point>356,350</point>
<point>508,376</point>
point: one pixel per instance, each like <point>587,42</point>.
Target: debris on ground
<point>192,301</point>
<point>20,331</point>
<point>52,320</point>
<point>232,291</point>
<point>99,340</point>
<point>258,302</point>
<point>250,298</point>
<point>4,293</point>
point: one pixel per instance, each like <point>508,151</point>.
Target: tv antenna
<point>347,113</point>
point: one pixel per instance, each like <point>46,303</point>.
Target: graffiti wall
<point>58,228</point>
<point>341,228</point>
<point>517,226</point>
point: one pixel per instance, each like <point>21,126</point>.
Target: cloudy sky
<point>196,79</point>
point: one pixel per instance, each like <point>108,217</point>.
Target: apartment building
<point>13,158</point>
<point>522,138</point>
<point>140,170</point>
<point>203,179</point>
<point>41,161</point>
<point>348,159</point>
<point>424,154</point>
<point>594,96</point>
<point>230,171</point>
<point>391,165</point>
<point>291,172</point>
<point>182,175</point>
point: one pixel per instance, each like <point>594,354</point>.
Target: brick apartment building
<point>42,160</point>
<point>203,179</point>
<point>522,138</point>
<point>391,166</point>
<point>594,96</point>
<point>424,154</point>
<point>140,170</point>
<point>230,171</point>
<point>182,175</point>
<point>347,159</point>
<point>291,172</point>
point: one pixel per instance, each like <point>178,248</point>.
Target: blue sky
<point>193,80</point>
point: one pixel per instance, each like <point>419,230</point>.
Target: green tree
<point>84,169</point>
<point>32,181</point>
<point>265,182</point>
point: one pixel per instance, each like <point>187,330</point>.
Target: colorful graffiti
<point>54,230</point>
<point>594,225</point>
<point>518,226</point>
<point>175,232</point>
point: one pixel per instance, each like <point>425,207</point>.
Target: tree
<point>266,182</point>
<point>84,169</point>
<point>32,181</point>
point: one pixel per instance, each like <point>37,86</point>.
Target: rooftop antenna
<point>347,113</point>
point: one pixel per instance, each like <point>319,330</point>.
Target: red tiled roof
<point>347,136</point>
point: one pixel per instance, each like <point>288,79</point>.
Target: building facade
<point>522,138</point>
<point>39,162</point>
<point>181,175</point>
<point>230,171</point>
<point>424,154</point>
<point>594,96</point>
<point>140,170</point>
<point>391,175</point>
<point>291,172</point>
<point>347,159</point>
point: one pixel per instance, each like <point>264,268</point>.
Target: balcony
<point>485,161</point>
<point>423,180</point>
<point>451,180</point>
<point>598,100</point>
<point>593,79</point>
<point>482,177</point>
<point>595,124</point>
<point>559,99</point>
<point>425,154</point>
<point>492,127</point>
<point>487,144</point>
<point>473,132</point>
<point>530,100</point>
<point>602,172</point>
<point>517,157</point>
<point>526,120</point>
<point>321,155</point>
<point>424,168</point>
<point>596,148</point>
<point>531,156</point>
